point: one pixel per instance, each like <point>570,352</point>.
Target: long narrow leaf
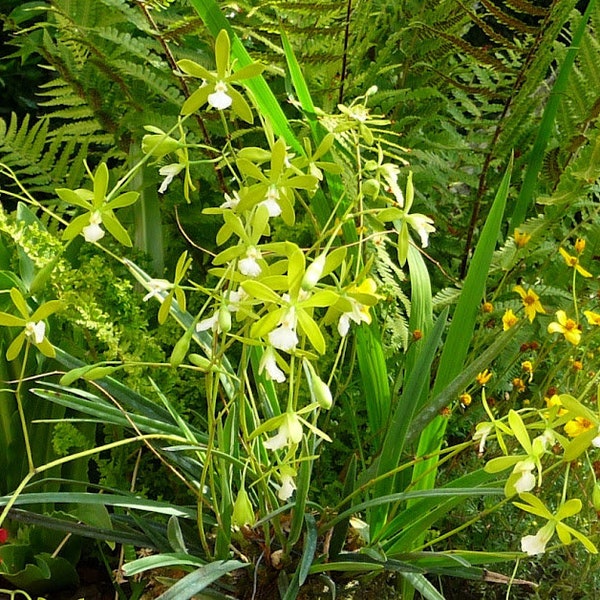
<point>195,582</point>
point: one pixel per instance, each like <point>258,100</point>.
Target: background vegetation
<point>492,106</point>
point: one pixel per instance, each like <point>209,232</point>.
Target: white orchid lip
<point>287,487</point>
<point>220,99</point>
<point>268,363</point>
<point>93,232</point>
<point>249,264</point>
<point>157,287</point>
<point>36,330</point>
<point>169,172</point>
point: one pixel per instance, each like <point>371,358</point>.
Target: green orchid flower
<point>99,209</point>
<point>217,88</point>
<point>34,328</point>
<point>536,544</point>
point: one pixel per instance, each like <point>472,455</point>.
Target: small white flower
<point>249,266</point>
<point>169,172</point>
<point>482,431</point>
<point>289,432</point>
<point>536,544</point>
<point>157,287</point>
<point>284,337</point>
<point>231,201</point>
<point>271,201</point>
<point>36,330</point>
<point>278,441</point>
<point>422,225</point>
<point>287,487</point>
<point>220,99</point>
<point>358,315</point>
<point>268,363</point>
<point>390,173</point>
<point>527,480</point>
<point>235,299</point>
<point>209,323</point>
<point>596,441</point>
<point>93,232</point>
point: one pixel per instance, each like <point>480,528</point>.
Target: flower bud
<point>596,497</point>
<point>243,514</point>
<point>371,188</point>
<point>313,273</point>
<point>181,348</point>
<point>200,361</point>
<point>224,320</point>
<point>159,145</point>
<point>322,393</point>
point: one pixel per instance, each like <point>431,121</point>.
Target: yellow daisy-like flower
<point>518,384</point>
<point>566,326</point>
<point>531,302</point>
<point>573,261</point>
<point>555,401</point>
<point>509,319</point>
<point>592,317</point>
<point>578,426</point>
<point>465,399</point>
<point>483,377</point>
<point>521,239</point>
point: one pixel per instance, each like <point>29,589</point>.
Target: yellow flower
<point>566,326</point>
<point>573,261</point>
<point>527,366</point>
<point>487,307</point>
<point>577,426</point>
<point>518,384</point>
<point>483,377</point>
<point>521,239</point>
<point>509,319</point>
<point>465,399</point>
<point>577,365</point>
<point>555,401</point>
<point>579,245</point>
<point>531,302</point>
<point>592,317</point>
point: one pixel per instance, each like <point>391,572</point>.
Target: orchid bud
<point>313,273</point>
<point>596,497</point>
<point>243,514</point>
<point>371,187</point>
<point>224,320</point>
<point>200,361</point>
<point>322,393</point>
